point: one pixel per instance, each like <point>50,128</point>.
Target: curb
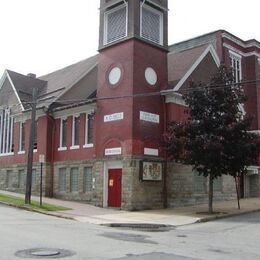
<point>35,210</point>
<point>201,220</point>
<point>228,215</point>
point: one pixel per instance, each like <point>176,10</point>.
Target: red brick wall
<point>133,57</point>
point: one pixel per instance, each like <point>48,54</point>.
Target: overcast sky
<point>40,36</point>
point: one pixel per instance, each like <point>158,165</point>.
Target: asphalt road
<point>26,233</point>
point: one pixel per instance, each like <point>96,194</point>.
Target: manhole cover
<point>44,253</point>
<point>142,226</point>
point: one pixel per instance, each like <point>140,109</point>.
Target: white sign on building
<point>149,117</point>
<point>113,151</point>
<point>114,117</point>
<point>150,151</point>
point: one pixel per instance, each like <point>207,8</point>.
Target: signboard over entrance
<point>113,151</point>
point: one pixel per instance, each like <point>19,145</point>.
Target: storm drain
<point>142,226</point>
<point>44,253</point>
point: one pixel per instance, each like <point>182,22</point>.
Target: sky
<point>41,36</point>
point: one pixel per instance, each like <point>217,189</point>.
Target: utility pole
<point>28,190</point>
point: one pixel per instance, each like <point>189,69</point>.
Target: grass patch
<point>19,202</point>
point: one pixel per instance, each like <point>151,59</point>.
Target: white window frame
<point>87,144</point>
<point>153,10</point>
<point>62,148</point>
<point>74,146</point>
<point>6,133</point>
<point>20,138</point>
<point>235,56</point>
<point>124,5</point>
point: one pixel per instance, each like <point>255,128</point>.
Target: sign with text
<point>113,151</point>
<point>114,117</point>
<point>149,117</point>
<point>151,171</point>
<point>150,151</point>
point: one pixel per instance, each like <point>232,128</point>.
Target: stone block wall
<point>94,197</point>
<point>185,188</point>
<point>138,194</point>
<point>252,185</point>
<point>13,178</point>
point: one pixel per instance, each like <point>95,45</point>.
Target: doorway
<point>114,188</point>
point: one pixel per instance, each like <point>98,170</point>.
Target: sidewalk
<point>173,216</point>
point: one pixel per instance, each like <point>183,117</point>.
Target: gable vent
<point>115,24</point>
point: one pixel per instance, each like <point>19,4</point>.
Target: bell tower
<point>146,20</point>
<point>132,70</point>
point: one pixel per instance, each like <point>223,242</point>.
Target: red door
<point>114,187</point>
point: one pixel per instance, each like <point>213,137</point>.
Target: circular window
<point>114,75</point>
<point>150,76</point>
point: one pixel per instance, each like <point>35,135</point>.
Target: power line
<point>158,93</point>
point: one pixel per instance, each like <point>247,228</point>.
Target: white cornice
<point>256,132</point>
<point>75,110</point>
<point>247,54</point>
<point>240,42</point>
<point>175,98</point>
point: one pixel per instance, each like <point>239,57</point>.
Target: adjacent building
<point>100,121</point>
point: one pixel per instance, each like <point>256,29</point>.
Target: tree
<point>215,139</point>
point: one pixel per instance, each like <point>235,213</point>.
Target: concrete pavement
<point>171,216</point>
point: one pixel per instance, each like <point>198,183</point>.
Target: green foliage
<point>216,139</point>
<point>19,202</point>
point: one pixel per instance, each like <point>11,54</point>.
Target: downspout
<point>53,128</point>
<point>165,191</point>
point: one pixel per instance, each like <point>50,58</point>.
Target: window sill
<point>62,149</point>
<point>21,152</point>
<point>88,145</point>
<point>6,154</point>
<point>35,150</point>
<point>74,147</point>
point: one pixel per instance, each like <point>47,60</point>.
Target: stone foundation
<point>94,197</point>
<point>13,178</point>
<point>184,187</point>
<point>138,194</point>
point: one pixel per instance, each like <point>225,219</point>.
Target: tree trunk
<point>211,193</point>
<point>237,190</point>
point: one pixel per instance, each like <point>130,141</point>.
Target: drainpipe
<point>165,192</point>
<point>52,152</point>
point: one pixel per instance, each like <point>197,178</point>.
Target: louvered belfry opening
<point>151,24</point>
<point>115,24</point>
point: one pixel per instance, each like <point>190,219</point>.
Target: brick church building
<point>100,121</point>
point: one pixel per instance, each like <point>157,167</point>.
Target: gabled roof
<point>23,86</point>
<point>61,81</point>
<point>182,64</point>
